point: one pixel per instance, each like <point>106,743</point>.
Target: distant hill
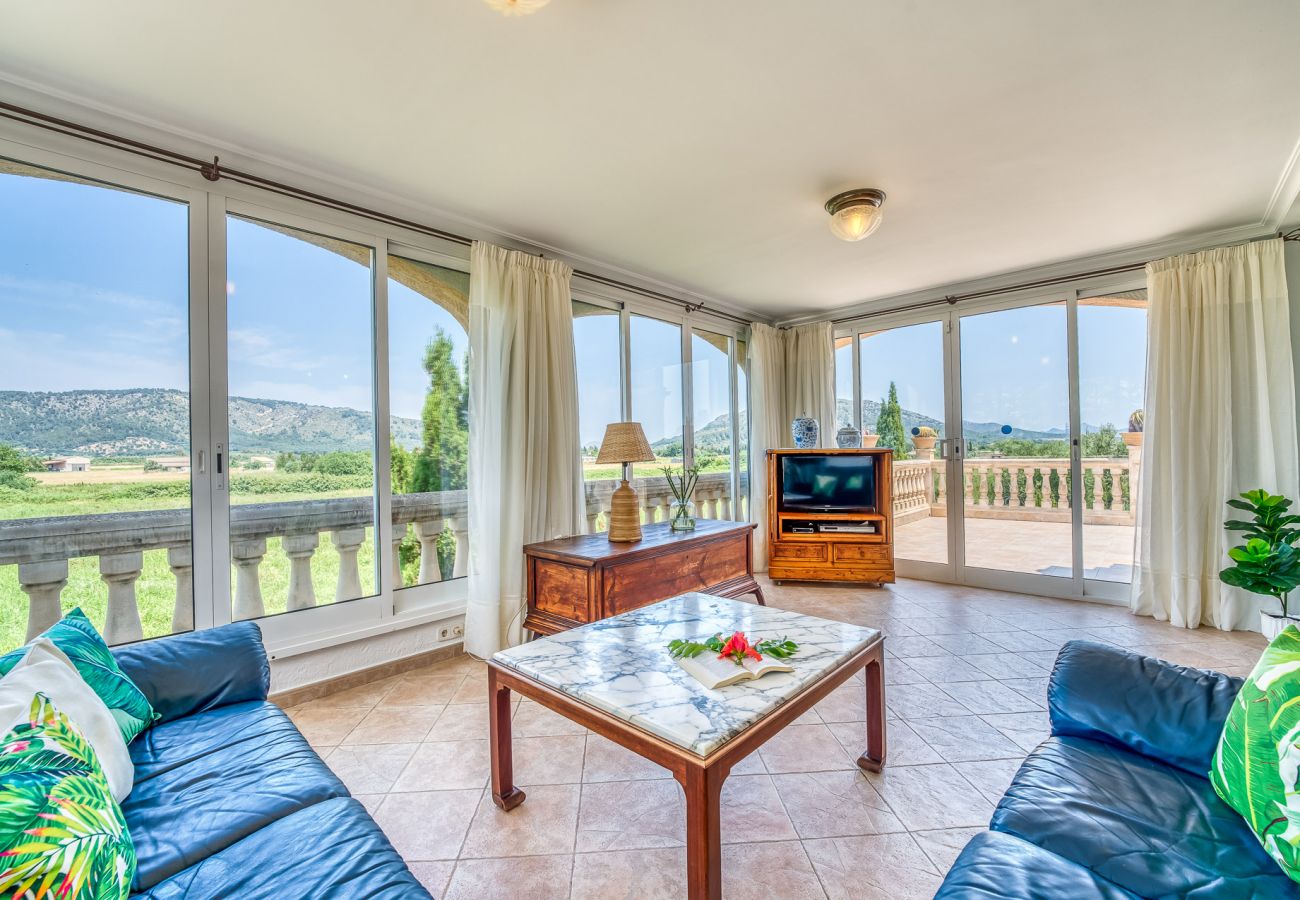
<point>147,421</point>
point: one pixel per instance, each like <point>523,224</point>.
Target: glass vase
<point>683,516</point>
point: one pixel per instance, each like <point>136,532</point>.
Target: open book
<point>716,673</point>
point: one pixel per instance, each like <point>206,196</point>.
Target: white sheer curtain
<point>810,377</point>
<point>525,479</point>
<point>768,426</point>
<point>1220,419</point>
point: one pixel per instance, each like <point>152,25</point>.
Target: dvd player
<point>847,527</point>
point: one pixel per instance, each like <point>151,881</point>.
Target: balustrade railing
<point>713,499</point>
<point>1021,488</point>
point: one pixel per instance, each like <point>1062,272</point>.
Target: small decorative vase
<point>805,432</point>
<point>683,516</point>
<point>848,437</point>
<point>869,440</point>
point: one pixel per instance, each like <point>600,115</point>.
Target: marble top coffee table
<point>616,678</point>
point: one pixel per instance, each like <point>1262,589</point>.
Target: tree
<point>889,424</point>
<point>440,464</point>
<point>13,460</point>
<point>400,464</point>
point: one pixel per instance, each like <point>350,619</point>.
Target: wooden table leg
<point>758,592</point>
<point>504,792</point>
<point>874,759</point>
<point>703,789</point>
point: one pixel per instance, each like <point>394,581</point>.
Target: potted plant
<point>1133,437</point>
<point>1267,563</point>
<point>924,437</point>
<point>869,438</point>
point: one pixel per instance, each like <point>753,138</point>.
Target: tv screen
<point>830,483</point>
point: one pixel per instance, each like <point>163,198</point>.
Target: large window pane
<point>302,430</point>
<point>740,509</point>
<point>902,390</point>
<point>428,383</point>
<point>1015,401</point>
<point>843,385</point>
<point>95,408</point>
<point>1112,385</point>
<point>711,411</point>
<point>596,344</point>
<point>655,372</point>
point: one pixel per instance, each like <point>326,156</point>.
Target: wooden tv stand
<point>836,556</point>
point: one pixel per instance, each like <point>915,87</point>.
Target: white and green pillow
<point>1256,768</point>
<point>61,832</point>
<point>81,643</point>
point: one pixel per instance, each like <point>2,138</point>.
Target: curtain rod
<point>954,299</point>
<point>214,171</point>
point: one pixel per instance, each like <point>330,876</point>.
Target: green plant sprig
<point>783,648</point>
<point>681,484</point>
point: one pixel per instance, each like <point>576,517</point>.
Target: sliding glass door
<point>1035,411</point>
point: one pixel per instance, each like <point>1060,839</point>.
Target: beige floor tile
<point>964,738</point>
<point>769,871</point>
<point>394,725</point>
<point>535,720</point>
<point>991,777</point>
<point>423,690</point>
<point>878,867</point>
<point>947,669</point>
<point>804,748</point>
<point>369,768</point>
<point>462,722</point>
<point>847,703</point>
<point>555,759</point>
<point>543,824</point>
<point>931,797</point>
<point>903,746</point>
<point>944,846</point>
<point>752,811</point>
<point>473,689</point>
<point>1006,665</point>
<point>631,815</point>
<point>922,701</point>
<point>828,804</point>
<point>434,876</point>
<point>326,726</point>
<point>363,695</point>
<point>514,878</point>
<point>444,766</point>
<point>1027,730</point>
<point>608,761</point>
<point>430,825</point>
<point>750,765</point>
<point>658,874</point>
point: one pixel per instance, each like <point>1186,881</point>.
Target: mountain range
<point>151,421</point>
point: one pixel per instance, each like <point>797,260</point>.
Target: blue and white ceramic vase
<point>805,432</point>
<point>848,437</point>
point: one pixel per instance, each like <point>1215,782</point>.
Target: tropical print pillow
<point>61,832</point>
<point>81,643</point>
<point>1256,767</point>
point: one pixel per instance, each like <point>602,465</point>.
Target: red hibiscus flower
<point>737,648</point>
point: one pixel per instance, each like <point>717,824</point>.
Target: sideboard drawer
<point>863,553</point>
<point>633,585</point>
<point>800,552</point>
<point>560,590</point>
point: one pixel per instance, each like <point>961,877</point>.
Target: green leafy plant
<point>1267,563</point>
<point>783,648</point>
<point>681,483</point>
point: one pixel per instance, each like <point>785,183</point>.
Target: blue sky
<point>94,285</point>
<point>1014,366</point>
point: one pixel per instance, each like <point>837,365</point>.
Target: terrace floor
<point>967,673</point>
<point>1017,545</point>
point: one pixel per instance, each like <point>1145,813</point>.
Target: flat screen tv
<point>828,483</point>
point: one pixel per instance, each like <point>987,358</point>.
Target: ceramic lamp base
<point>624,515</point>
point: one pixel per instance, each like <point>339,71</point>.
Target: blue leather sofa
<point>229,799</point>
<point>1116,803</point>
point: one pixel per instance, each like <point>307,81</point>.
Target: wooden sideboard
<point>574,580</point>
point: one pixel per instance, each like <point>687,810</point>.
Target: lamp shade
<point>624,443</point>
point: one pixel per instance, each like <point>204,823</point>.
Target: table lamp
<point>625,444</point>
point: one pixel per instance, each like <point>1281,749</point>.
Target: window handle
<point>202,465</point>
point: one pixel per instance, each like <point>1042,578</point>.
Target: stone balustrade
<point>1020,488</point>
<point>713,499</point>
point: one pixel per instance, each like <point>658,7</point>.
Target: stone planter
<point>923,442</point>
<point>1271,626</point>
<point>1132,438</point>
<point>870,440</point>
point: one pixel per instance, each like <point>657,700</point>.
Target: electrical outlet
<point>444,633</point>
<point>458,631</point>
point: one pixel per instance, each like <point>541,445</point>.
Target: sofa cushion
<point>1148,827</point>
<point>209,780</point>
<point>1004,867</point>
<point>332,849</point>
<point>1257,763</point>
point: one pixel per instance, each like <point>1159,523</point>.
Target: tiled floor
<point>967,674</point>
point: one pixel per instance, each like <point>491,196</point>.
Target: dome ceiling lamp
<point>516,7</point>
<point>856,213</point>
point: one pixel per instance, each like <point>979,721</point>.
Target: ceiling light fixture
<point>855,214</point>
<point>516,7</point>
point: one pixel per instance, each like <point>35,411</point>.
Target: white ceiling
<point>695,142</point>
